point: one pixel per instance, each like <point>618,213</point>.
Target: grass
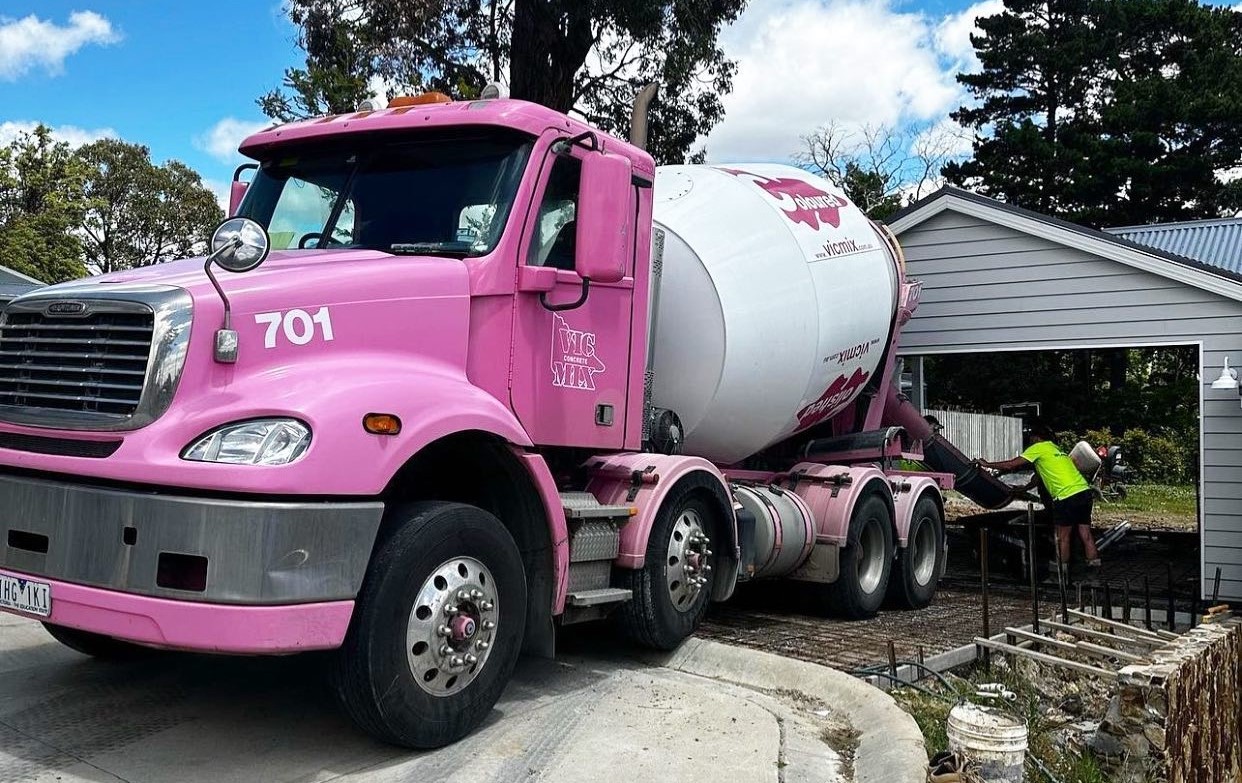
<point>1157,499</point>
<point>932,716</point>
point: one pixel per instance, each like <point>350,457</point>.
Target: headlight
<point>256,442</point>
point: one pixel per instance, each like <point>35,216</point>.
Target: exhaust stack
<point>638,117</point>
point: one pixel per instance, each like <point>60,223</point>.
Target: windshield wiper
<point>451,249</point>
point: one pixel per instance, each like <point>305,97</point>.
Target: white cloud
<point>802,63</point>
<point>31,42</point>
<point>953,34</point>
<point>70,134</point>
<point>223,138</point>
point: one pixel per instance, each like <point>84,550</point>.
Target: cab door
<point>570,359</point>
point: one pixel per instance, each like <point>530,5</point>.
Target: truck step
<point>584,505</point>
<point>608,595</point>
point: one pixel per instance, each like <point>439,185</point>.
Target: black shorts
<point>1074,510</point>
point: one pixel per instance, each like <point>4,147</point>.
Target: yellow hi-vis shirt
<point>1058,472</point>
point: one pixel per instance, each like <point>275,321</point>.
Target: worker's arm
<point>1008,466</point>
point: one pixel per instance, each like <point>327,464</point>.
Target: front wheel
<point>437,628</point>
<point>920,563</point>
<point>673,588</point>
<point>866,562</point>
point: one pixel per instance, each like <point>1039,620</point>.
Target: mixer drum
<point>775,306</point>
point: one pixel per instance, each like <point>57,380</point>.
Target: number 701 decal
<point>299,326</point>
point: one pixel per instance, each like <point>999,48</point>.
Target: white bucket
<point>992,742</point>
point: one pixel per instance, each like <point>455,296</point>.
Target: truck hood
<point>282,270</point>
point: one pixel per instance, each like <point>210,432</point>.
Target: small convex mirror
<point>239,244</point>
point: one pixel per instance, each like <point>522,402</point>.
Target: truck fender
<point>643,481</point>
<point>832,492</point>
<point>908,491</point>
<point>558,529</point>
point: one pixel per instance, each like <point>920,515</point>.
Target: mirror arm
<point>557,308</point>
<point>233,243</point>
<point>563,146</point>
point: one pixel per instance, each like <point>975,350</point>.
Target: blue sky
<point>181,76</point>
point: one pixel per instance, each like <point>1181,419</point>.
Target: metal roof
<point>1214,242</point>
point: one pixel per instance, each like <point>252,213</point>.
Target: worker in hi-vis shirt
<point>1071,494</point>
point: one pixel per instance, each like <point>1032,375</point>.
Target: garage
<point>997,278</point>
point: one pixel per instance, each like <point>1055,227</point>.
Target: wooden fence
<point>980,434</point>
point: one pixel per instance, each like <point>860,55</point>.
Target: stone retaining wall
<point>1179,718</point>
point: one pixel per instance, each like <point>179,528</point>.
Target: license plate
<point>23,595</point>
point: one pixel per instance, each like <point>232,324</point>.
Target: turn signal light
<point>381,424</point>
<point>419,100</point>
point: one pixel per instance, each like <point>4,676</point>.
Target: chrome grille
<point>92,357</point>
<point>91,363</point>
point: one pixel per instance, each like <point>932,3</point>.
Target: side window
<point>301,210</point>
<point>553,240</point>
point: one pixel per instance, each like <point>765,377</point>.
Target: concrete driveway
<point>592,715</point>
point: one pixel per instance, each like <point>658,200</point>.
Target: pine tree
<point>1106,112</point>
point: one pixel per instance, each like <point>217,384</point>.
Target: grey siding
<point>11,277</point>
<point>988,287</point>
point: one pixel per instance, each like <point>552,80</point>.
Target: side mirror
<point>237,190</point>
<point>239,245</point>
<point>604,218</point>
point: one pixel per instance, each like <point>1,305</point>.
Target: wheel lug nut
<point>485,605</point>
<point>707,569</point>
<point>444,630</point>
<point>449,610</point>
<point>707,552</point>
<point>456,661</point>
<point>476,594</point>
<point>446,650</point>
<point>482,645</point>
<point>462,595</point>
<point>488,625</point>
<point>471,659</point>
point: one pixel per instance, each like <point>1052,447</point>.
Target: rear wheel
<point>921,562</point>
<point>672,590</point>
<point>437,628</point>
<point>105,648</point>
<point>866,562</point>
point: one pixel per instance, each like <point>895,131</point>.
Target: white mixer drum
<point>775,304</point>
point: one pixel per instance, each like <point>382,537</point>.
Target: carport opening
<point>1137,407</point>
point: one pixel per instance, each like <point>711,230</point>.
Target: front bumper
<point>257,553</point>
<point>181,625</point>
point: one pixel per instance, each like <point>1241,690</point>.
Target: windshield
<point>433,195</point>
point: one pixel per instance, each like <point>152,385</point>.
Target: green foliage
<point>100,208</point>
<point>1145,399</point>
<point>41,202</point>
<point>589,56</point>
<point>1106,112</point>
<point>137,213</point>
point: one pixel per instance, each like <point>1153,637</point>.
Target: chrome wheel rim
<point>870,556</point>
<point>687,563</point>
<point>923,552</point>
<point>452,627</point>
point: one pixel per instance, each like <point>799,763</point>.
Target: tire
<point>920,563</point>
<point>442,566</point>
<point>667,608</point>
<point>866,562</point>
<point>98,646</point>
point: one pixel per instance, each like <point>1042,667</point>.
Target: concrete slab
<point>593,715</point>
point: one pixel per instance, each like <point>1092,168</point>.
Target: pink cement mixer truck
<point>497,374</point>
